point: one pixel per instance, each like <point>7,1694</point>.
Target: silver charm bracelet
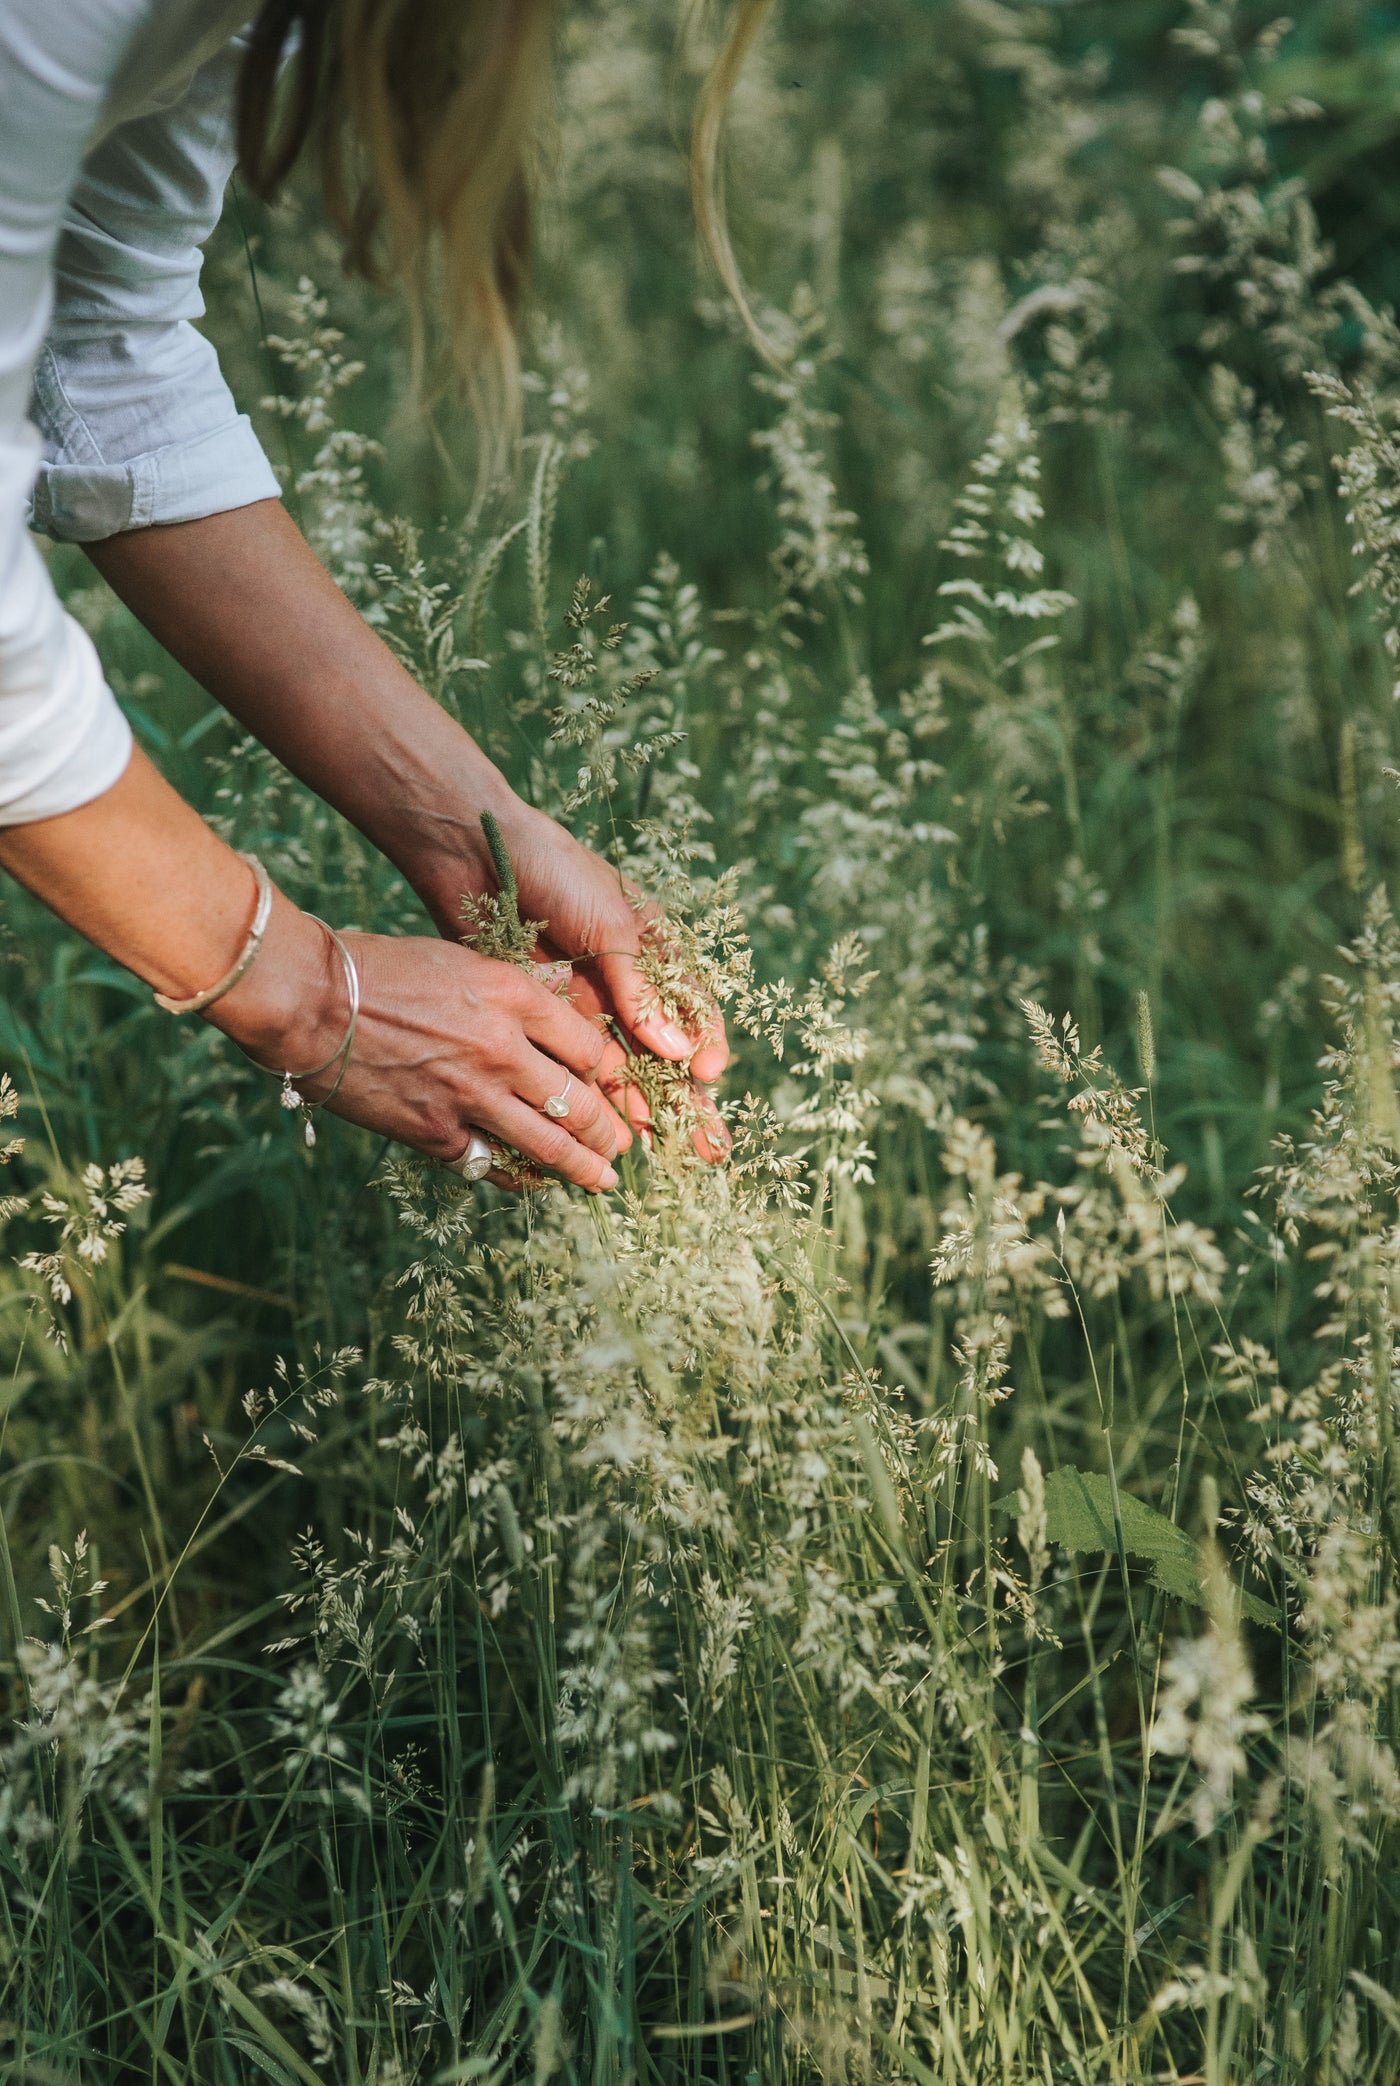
<point>292,1097</point>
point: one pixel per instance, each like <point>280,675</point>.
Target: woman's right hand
<point>448,1042</point>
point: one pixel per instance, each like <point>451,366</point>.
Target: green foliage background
<point>952,215</point>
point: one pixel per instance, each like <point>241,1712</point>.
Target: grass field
<point>920,1603</point>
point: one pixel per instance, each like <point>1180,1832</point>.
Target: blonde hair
<point>706,171</point>
<point>423,116</point>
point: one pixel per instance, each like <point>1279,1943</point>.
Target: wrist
<point>447,858</point>
<point>292,996</point>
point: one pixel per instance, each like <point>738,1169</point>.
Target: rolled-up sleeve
<point>113,413</point>
<point>63,739</point>
<point>138,424</point>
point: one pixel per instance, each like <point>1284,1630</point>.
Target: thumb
<point>634,998</point>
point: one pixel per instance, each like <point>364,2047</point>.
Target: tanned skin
<point>448,1041</point>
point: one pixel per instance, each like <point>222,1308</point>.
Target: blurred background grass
<point>967,196</point>
<point>921,169</point>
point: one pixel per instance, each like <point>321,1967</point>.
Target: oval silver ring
<point>475,1162</point>
<point>558,1104</point>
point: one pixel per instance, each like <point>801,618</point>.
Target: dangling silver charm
<point>292,1096</point>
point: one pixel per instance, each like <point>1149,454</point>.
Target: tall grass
<point>918,1603</point>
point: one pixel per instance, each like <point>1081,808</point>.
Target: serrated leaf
<point>1079,1517</point>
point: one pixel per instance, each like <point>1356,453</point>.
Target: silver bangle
<point>291,1081</point>
<point>262,912</point>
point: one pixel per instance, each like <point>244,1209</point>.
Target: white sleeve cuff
<point>80,497</point>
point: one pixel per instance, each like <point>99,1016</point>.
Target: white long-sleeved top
<point>116,146</point>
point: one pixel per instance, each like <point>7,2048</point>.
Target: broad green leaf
<point>1079,1517</point>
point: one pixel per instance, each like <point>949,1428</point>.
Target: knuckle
<point>553,1146</point>
<point>441,1136</point>
<point>622,945</point>
<point>498,1041</point>
<point>452,959</point>
<point>582,1044</point>
<point>522,992</point>
<point>587,1110</point>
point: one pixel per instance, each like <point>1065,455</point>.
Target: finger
<point>620,989</point>
<point>498,1179</point>
<point>615,1079</point>
<point>550,1145</point>
<point>700,1020</point>
<point>634,998</point>
<point>497,1176</point>
<point>612,1075</point>
<point>590,1117</point>
<point>631,994</point>
<point>711,1058</point>
<point>552,970</point>
<point>581,989</point>
<point>696,1032</point>
<point>559,1029</point>
<point>710,1136</point>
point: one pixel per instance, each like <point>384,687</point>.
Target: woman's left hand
<point>598,925</point>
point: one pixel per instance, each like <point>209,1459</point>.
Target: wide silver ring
<point>558,1104</point>
<point>475,1162</point>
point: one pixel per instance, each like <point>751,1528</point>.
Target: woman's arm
<point>247,608</point>
<point>244,604</point>
<point>447,1041</point>
<point>140,431</point>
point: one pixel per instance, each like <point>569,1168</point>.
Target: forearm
<point>139,873</point>
<point>240,600</point>
<point>445,1041</point>
<point>246,607</point>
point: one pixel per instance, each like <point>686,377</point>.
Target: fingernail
<point>672,1038</point>
<point>607,1179</point>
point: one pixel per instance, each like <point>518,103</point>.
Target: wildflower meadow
<point>919,1602</point>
